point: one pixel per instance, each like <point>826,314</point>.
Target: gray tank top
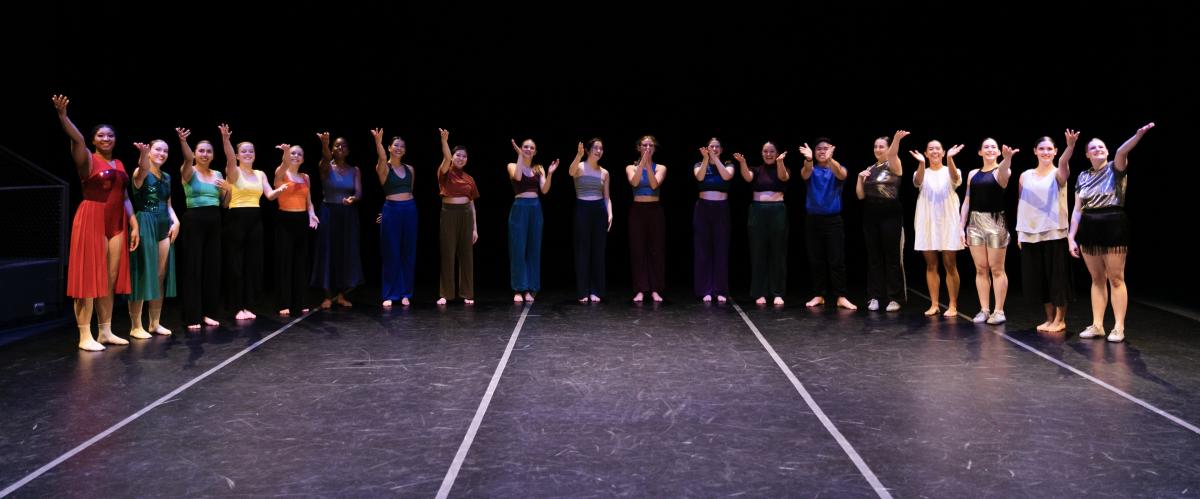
<point>587,185</point>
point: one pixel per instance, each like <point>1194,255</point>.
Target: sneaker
<point>997,318</point>
<point>873,305</point>
<point>981,317</point>
<point>893,306</point>
<point>1092,332</point>
<point>1117,335</point>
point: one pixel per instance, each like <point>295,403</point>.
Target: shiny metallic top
<point>1102,188</point>
<point>881,183</point>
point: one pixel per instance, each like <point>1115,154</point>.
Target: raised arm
<point>548,176</point>
<point>575,170</point>
<point>919,176</point>
<point>955,175</point>
<point>806,170</point>
<point>893,153</point>
<point>702,167</point>
<point>143,168</point>
<point>838,170</point>
<point>231,167</point>
<point>1121,162</point>
<point>1005,173</point>
<point>381,162</point>
<point>446,157</point>
<point>326,162</point>
<point>79,150</point>
<point>281,170</point>
<point>747,175</point>
<point>781,169</point>
<point>188,168</point>
<point>1064,162</point>
<point>271,194</point>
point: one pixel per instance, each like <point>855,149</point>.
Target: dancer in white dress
<point>937,223</point>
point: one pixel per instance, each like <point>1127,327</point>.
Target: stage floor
<point>614,399</point>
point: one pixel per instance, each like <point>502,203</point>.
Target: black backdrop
<point>566,73</point>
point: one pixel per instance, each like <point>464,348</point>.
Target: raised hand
<point>737,156</point>
<point>1072,136</point>
<point>142,148</point>
<point>703,154</point>
<point>378,134</point>
<point>445,134</point>
<point>60,104</point>
<point>1142,131</point>
<point>806,152</point>
<point>323,137</point>
<point>920,157</point>
<point>954,151</point>
<point>183,133</point>
<point>781,156</point>
<point>553,166</point>
<point>579,154</point>
<point>1008,152</point>
<point>900,134</point>
<point>226,132</point>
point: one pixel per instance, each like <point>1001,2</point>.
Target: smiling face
<point>595,151</point>
<point>459,159</point>
<point>158,153</point>
<point>714,147</point>
<point>528,149</point>
<point>1045,151</point>
<point>296,156</point>
<point>204,153</point>
<point>989,150</point>
<point>245,153</point>
<point>769,153</point>
<point>881,149</point>
<point>934,151</point>
<point>823,151</point>
<point>647,145</point>
<point>1097,151</point>
<point>105,138</point>
<point>398,147</point>
<point>341,149</point>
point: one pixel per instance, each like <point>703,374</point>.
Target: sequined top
<point>880,183</point>
<point>643,187</point>
<point>199,193</point>
<point>713,180</point>
<point>152,196</point>
<point>1102,188</point>
<point>106,184</point>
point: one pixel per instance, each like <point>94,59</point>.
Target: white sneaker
<point>892,306</point>
<point>997,318</point>
<point>1092,332</point>
<point>873,304</point>
<point>1117,335</point>
<point>981,317</point>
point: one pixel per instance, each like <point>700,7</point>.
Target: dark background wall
<point>572,72</point>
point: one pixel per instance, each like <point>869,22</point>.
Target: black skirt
<point>1102,231</point>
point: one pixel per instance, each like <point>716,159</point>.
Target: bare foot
<point>933,310</point>
<point>386,304</point>
<point>249,314</point>
<point>760,301</point>
<point>210,322</point>
<point>594,298</point>
<point>721,299</point>
<point>404,302</point>
<point>637,298</point>
<point>584,300</point>
<point>655,296</point>
<point>139,333</point>
<point>1044,327</point>
<point>517,298</point>
<point>193,327</point>
<point>778,301</point>
<point>529,297</point>
<point>160,330</point>
<point>815,302</point>
<point>326,304</point>
<point>285,312</point>
<point>844,303</point>
<point>951,312</point>
<point>342,301</point>
<point>241,315</point>
<point>90,345</point>
<point>468,301</point>
<point>707,299</point>
<point>1056,327</point>
<point>441,301</point>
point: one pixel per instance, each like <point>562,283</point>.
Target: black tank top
<point>986,194</point>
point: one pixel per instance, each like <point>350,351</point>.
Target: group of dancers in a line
<point>123,234</point>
